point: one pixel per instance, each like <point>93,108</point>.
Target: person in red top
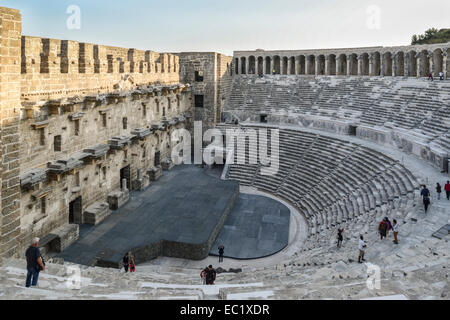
<point>447,189</point>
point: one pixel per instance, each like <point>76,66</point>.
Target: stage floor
<point>257,227</point>
<point>186,206</point>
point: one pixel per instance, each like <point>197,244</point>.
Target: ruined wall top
<point>347,51</point>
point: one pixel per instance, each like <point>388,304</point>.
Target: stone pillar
<point>338,65</point>
<point>10,85</point>
<point>289,67</point>
<point>349,65</point>
<point>272,64</point>
<point>418,58</point>
<point>297,65</point>
<point>317,66</point>
<point>445,63</point>
<point>371,65</point>
<point>394,64</point>
<point>247,65</point>
<point>282,65</point>
<point>360,65</point>
<point>124,185</point>
<point>264,65</point>
<point>383,64</point>
<point>431,63</point>
<point>327,65</point>
<point>307,65</point>
<point>407,63</point>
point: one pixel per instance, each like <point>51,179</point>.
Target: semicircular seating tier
<point>330,181</point>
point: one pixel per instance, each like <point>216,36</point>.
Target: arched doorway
<point>243,65</point>
<point>342,65</point>
<point>399,70</point>
<point>438,62</point>
<point>332,64</point>
<point>292,66</point>
<point>424,64</point>
<point>276,65</point>
<point>387,56</point>
<point>321,65</point>
<point>412,63</point>
<point>236,66</point>
<point>353,61</point>
<point>284,67</point>
<point>365,66</point>
<point>311,65</point>
<point>268,62</point>
<point>302,65</point>
<point>260,66</point>
<point>376,64</point>
<point>251,65</point>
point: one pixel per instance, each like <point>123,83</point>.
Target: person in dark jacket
<point>221,252</point>
<point>35,263</point>
<point>210,275</point>
<point>438,191</point>
<point>340,237</point>
<point>426,198</point>
<point>126,261</point>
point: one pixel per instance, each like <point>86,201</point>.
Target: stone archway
<point>342,65</point>
<point>365,64</point>
<point>243,65</point>
<point>251,65</point>
<point>353,61</point>
<point>268,63</point>
<point>260,68</point>
<point>292,66</point>
<point>276,65</point>
<point>399,68</point>
<point>311,65</point>
<point>423,66</point>
<point>320,65</point>
<point>332,64</point>
<point>284,66</point>
<point>236,66</point>
<point>438,62</point>
<point>412,58</point>
<point>376,64</point>
<point>302,65</point>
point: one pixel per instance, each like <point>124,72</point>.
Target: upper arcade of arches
<point>407,61</point>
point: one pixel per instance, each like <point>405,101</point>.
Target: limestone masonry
<point>82,124</point>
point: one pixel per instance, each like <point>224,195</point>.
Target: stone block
<point>167,165</point>
<point>118,198</point>
<point>96,213</point>
<point>155,173</point>
<point>65,236</point>
<point>141,184</point>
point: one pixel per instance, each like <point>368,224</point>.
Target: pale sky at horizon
<point>227,26</point>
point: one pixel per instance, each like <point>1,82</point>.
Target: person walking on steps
<point>382,228</point>
<point>447,190</point>
<point>210,275</point>
<point>441,75</point>
<point>438,191</point>
<point>132,264</point>
<point>362,249</point>
<point>126,261</point>
<point>340,237</point>
<point>221,252</point>
<point>395,228</point>
<point>426,198</point>
<point>430,77</point>
<point>35,263</point>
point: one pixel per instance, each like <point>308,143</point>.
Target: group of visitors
<point>441,76</point>
<point>208,275</point>
<point>128,263</point>
<point>385,226</point>
<point>426,194</point>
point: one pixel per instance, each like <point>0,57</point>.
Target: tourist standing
<point>203,275</point>
<point>210,275</point>
<point>389,225</point>
<point>430,77</point>
<point>438,191</point>
<point>426,198</point>
<point>441,75</point>
<point>132,264</point>
<point>447,189</point>
<point>35,263</point>
<point>221,252</point>
<point>382,228</point>
<point>362,248</point>
<point>126,261</point>
<point>340,237</point>
<point>395,228</point>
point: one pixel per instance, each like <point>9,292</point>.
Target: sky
<point>233,25</point>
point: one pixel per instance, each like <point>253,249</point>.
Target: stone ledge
<point>96,213</point>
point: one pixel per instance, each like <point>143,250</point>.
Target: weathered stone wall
<point>53,68</point>
<point>216,82</point>
<point>10,32</point>
<point>59,98</point>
